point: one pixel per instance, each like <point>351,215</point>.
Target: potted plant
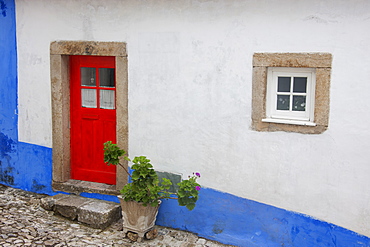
<point>141,198</point>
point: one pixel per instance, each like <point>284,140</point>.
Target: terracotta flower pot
<point>137,218</point>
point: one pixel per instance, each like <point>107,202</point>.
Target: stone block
<point>93,212</point>
<point>68,206</point>
<point>48,203</point>
<point>88,48</point>
<point>98,213</point>
<point>310,60</point>
<point>77,186</point>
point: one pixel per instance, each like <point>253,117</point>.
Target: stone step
<point>93,212</point>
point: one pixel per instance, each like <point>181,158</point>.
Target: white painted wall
<point>190,75</point>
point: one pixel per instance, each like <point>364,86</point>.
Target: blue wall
<point>8,91</point>
<point>237,221</point>
<point>218,216</point>
<point>22,165</point>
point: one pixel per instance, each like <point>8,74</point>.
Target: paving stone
<point>68,206</point>
<point>201,241</point>
<point>25,222</point>
<point>48,202</point>
<point>99,214</point>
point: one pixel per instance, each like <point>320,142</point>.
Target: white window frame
<point>288,116</point>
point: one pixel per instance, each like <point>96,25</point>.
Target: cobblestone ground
<point>23,222</point>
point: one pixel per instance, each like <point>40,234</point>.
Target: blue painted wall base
<point>27,167</point>
<point>242,222</point>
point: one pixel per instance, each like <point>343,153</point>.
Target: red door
<point>93,117</point>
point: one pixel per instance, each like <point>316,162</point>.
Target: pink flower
<point>197,174</point>
<point>197,187</point>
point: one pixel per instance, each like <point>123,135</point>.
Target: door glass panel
<point>283,102</point>
<point>88,98</point>
<point>107,99</point>
<point>283,84</point>
<point>299,103</point>
<point>88,77</point>
<point>106,77</point>
<point>300,84</point>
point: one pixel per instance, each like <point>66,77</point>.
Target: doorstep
<point>78,186</point>
<point>93,212</point>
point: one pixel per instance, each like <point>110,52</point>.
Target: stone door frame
<point>60,95</point>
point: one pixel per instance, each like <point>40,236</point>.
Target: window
<point>290,92</point>
<point>290,95</point>
<point>105,87</point>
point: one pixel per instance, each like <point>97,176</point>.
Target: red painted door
<point>93,117</point>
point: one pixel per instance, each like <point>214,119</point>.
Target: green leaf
<point>190,206</point>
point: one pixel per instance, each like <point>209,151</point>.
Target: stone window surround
<point>322,64</point>
<point>60,92</point>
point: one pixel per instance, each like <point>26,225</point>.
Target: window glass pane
<point>106,77</point>
<point>107,99</point>
<point>283,102</point>
<point>300,84</point>
<point>283,84</point>
<point>88,77</point>
<point>88,98</point>
<point>299,103</point>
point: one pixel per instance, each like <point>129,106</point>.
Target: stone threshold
<point>93,212</point>
<point>77,187</point>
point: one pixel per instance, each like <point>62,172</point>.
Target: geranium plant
<point>145,186</point>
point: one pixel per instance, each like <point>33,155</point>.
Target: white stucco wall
<point>190,81</point>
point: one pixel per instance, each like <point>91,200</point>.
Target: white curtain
<point>107,99</point>
<point>89,98</point>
